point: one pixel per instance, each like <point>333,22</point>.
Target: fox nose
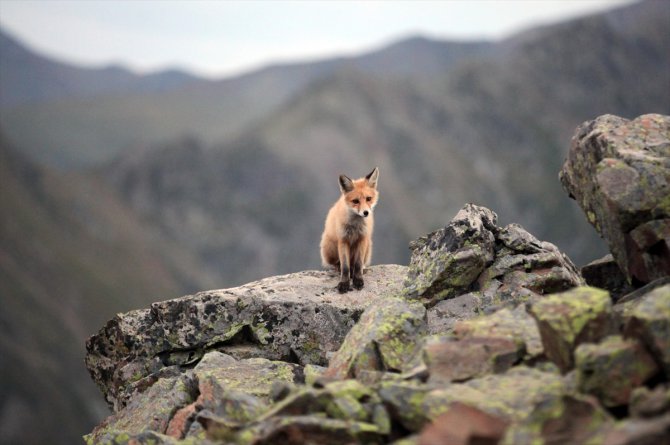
<point>366,213</point>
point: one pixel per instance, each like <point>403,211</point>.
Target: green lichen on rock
<point>149,411</point>
<point>515,324</point>
<point>405,401</point>
<point>617,171</point>
<point>383,340</point>
<point>568,319</point>
<point>566,419</point>
<point>310,429</point>
<point>649,320</point>
<point>254,376</point>
<point>611,369</point>
<point>451,258</point>
<point>512,395</point>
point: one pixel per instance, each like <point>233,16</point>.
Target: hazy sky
<point>217,38</point>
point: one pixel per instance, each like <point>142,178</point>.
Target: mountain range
<point>119,189</point>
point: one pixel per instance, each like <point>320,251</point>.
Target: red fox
<point>346,242</point>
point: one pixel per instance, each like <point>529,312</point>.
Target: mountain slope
<point>492,130</point>
<point>71,256</point>
<point>84,131</point>
<point>27,77</point>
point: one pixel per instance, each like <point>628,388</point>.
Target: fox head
<point>360,195</point>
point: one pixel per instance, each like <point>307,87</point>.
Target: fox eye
<point>356,201</point>
<point>368,199</point>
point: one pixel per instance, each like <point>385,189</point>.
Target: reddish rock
<point>451,360</point>
<point>181,421</point>
<point>464,425</point>
<point>569,419</point>
<point>516,325</point>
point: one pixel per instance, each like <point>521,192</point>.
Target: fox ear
<point>373,177</point>
<point>346,184</point>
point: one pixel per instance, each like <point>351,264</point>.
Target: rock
<point>516,325</point>
<point>464,425</point>
<point>611,369</point>
<point>341,412</point>
<point>297,317</point>
<point>230,366</point>
<point>311,429</point>
<point>494,265</point>
<point>619,173</point>
<point>143,438</point>
<point>567,319</point>
<point>384,339</point>
<point>452,258</point>
<point>569,419</point>
<point>234,407</point>
<point>605,274</point>
<point>404,402</point>
<point>647,403</point>
<point>149,411</point>
<point>253,376</point>
<point>444,315</point>
<point>649,320</point>
<point>654,431</point>
<point>448,359</point>
<point>235,390</point>
<point>511,396</point>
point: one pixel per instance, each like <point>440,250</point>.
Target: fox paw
<point>343,287</point>
<point>358,283</point>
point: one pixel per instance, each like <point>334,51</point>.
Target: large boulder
<point>484,265</point>
<point>619,172</point>
<point>299,318</point>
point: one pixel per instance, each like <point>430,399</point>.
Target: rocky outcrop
<point>484,266</point>
<point>619,173</point>
<point>298,318</point>
<point>488,337</point>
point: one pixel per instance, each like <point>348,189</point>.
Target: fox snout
<point>363,213</point>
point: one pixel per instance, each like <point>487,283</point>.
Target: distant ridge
<point>28,77</point>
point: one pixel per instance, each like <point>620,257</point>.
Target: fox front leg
<point>345,271</point>
<point>357,267</point>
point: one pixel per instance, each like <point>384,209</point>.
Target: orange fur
<point>346,242</point>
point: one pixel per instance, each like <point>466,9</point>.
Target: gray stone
<point>500,266</point>
<point>297,317</point>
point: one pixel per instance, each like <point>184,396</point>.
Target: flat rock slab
<point>298,318</point>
